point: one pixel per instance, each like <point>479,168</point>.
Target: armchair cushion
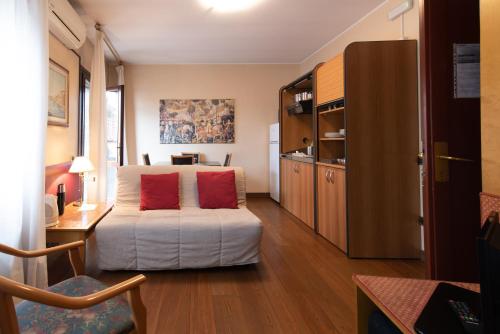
<point>111,316</point>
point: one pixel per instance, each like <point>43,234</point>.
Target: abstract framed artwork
<point>58,109</point>
<point>197,121</point>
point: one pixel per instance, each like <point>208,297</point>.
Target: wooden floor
<point>302,285</point>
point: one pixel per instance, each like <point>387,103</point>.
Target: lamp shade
<point>81,165</point>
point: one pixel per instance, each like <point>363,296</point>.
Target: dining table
<point>202,163</point>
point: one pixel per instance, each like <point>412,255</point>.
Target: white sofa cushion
<point>128,191</point>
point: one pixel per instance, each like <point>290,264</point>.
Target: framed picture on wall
<point>58,95</point>
<point>198,121</point>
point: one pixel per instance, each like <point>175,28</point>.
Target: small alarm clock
<point>51,210</point>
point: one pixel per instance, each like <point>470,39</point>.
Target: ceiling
<point>183,31</point>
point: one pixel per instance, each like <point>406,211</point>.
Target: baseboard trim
<point>258,195</point>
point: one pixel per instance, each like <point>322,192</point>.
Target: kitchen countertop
<point>307,160</point>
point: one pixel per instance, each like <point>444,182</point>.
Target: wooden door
<point>451,128</point>
<point>286,184</point>
<point>340,229</point>
<point>382,145</point>
<point>327,199</point>
<point>295,194</point>
<point>305,193</point>
<point>331,206</point>
<point>297,190</point>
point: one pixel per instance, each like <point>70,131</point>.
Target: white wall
<point>255,88</point>
<point>490,95</point>
<point>374,26</point>
<point>62,142</point>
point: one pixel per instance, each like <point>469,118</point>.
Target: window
<point>84,114</point>
<point>84,121</point>
<point>114,130</point>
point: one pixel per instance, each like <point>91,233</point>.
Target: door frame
<point>430,209</point>
<point>428,163</point>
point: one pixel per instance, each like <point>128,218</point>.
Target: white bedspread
<point>130,239</point>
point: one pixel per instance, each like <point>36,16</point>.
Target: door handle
<point>447,157</point>
<point>442,161</point>
<point>332,176</point>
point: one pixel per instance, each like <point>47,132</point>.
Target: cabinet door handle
<point>332,176</point>
<point>327,175</point>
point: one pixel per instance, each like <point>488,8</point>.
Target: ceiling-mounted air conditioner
<point>66,24</point>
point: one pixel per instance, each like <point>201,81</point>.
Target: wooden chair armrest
<point>41,252</point>
<point>27,292</point>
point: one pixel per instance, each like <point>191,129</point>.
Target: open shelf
<point>331,111</point>
<point>296,129</point>
<point>330,165</point>
<point>332,139</point>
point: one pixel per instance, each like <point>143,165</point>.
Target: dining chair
<point>181,159</point>
<point>227,162</point>
<point>80,304</point>
<point>196,156</point>
<point>145,159</point>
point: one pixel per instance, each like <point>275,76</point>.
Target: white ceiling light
<point>226,6</point>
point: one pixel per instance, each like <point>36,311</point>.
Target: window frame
<point>84,76</point>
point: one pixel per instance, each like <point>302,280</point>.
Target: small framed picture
<point>58,95</point>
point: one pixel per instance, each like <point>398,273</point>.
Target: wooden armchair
<point>102,308</point>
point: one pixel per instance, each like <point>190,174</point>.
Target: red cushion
<point>160,191</point>
<point>217,190</point>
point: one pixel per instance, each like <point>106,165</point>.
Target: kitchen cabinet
<point>332,223</point>
<point>330,80</point>
<point>297,190</point>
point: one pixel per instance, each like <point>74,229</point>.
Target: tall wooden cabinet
<point>380,184</point>
<point>361,189</point>
<point>296,133</point>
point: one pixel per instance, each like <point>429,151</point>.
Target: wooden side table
<point>400,299</point>
<point>77,223</point>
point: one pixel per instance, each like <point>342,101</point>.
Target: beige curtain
<point>24,63</point>
<point>98,139</point>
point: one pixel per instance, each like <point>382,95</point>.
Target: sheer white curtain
<point>98,118</point>
<point>23,123</point>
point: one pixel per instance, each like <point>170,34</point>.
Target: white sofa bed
<point>130,239</point>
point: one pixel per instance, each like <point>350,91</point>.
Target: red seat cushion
<point>217,190</point>
<point>160,191</point>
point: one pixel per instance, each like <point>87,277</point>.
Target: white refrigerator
<point>274,161</point>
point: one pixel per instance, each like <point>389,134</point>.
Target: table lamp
<point>81,165</point>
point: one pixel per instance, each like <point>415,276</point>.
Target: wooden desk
<point>77,224</point>
<point>400,299</point>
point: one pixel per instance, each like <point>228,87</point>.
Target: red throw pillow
<point>160,191</point>
<point>217,190</point>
